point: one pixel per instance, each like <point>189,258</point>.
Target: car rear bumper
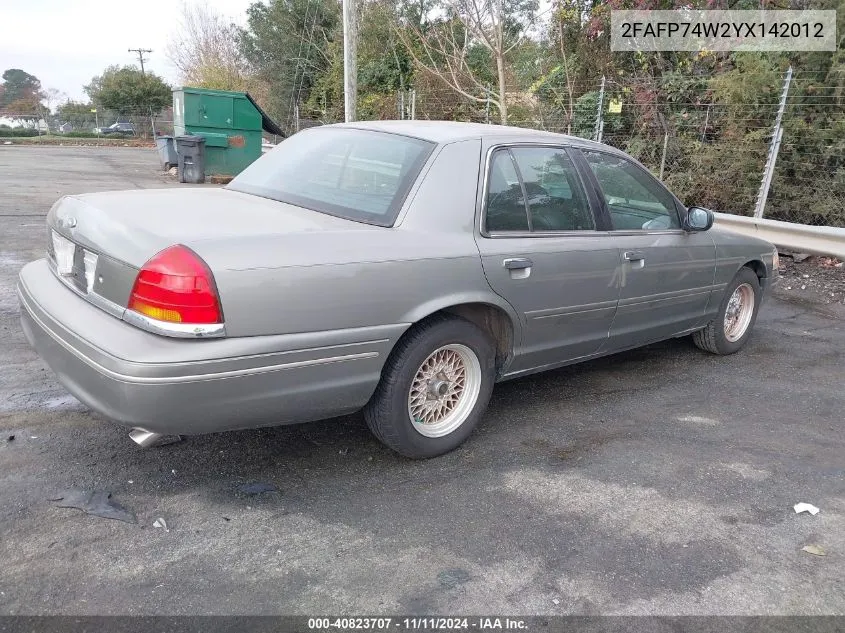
<point>196,386</point>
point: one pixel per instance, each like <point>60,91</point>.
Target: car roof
<point>451,131</point>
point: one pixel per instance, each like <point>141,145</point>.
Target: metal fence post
<point>599,126</point>
<point>706,121</point>
<point>413,104</point>
<point>774,147</point>
<point>663,159</point>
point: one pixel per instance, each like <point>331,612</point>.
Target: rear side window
<point>359,175</point>
<point>535,189</point>
<point>556,201</point>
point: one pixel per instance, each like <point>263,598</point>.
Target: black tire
<point>387,412</point>
<point>712,338</point>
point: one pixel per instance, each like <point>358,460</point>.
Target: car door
<point>666,274</point>
<point>542,252</point>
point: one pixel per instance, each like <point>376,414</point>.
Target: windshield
<point>359,175</point>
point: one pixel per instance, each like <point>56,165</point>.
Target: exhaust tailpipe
<point>148,439</point>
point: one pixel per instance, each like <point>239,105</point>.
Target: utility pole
<point>141,52</point>
<point>350,73</point>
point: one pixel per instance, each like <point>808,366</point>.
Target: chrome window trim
<point>588,233</point>
<point>174,330</point>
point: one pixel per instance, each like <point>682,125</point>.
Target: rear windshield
<point>354,174</point>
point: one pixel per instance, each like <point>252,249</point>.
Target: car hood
<point>132,226</point>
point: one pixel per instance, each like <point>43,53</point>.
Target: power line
<point>141,52</point>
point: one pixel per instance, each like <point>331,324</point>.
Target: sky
<point>65,43</point>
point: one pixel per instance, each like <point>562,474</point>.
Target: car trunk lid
<point>98,242</point>
<point>132,226</point>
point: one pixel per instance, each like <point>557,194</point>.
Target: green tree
<point>19,86</point>
<point>288,44</point>
<point>76,113</point>
<point>127,90</point>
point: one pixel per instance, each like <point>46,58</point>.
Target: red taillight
<point>176,286</point>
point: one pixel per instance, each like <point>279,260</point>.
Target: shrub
<point>17,132</point>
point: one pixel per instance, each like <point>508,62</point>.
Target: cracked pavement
<point>659,481</point>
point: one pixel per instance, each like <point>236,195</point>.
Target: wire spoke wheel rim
<point>444,390</point>
<point>738,312</point>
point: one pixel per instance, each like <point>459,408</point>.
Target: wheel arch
<point>492,316</point>
<point>758,267</point>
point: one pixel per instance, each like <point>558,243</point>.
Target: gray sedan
<point>399,267</point>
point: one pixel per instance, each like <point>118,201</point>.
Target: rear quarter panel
<point>324,280</point>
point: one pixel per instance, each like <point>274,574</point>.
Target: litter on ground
<point>96,502</point>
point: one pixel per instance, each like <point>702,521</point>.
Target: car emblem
<point>67,223</point>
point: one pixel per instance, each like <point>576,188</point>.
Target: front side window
<point>359,175</point>
<point>635,200</point>
<point>535,189</point>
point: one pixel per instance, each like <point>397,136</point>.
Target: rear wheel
<point>434,388</point>
<point>730,330</point>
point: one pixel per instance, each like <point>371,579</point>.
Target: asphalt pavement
<point>660,481</point>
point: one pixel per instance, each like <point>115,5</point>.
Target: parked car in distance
<point>125,128</point>
<point>399,267</point>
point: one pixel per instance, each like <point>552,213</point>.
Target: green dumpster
<point>230,122</point>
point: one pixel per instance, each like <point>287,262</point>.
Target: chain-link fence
<point>763,144</point>
<point>138,123</point>
<point>708,139</point>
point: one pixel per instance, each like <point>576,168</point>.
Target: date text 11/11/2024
<point>416,624</point>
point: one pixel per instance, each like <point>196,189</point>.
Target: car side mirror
<point>698,219</point>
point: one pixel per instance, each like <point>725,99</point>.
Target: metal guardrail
<point>802,238</point>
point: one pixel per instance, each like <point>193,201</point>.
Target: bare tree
<point>443,49</point>
<point>53,97</point>
<point>570,111</point>
<point>205,50</point>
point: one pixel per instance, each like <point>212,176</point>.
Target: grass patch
<point>60,139</point>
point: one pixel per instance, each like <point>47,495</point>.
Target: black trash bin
<point>191,150</point>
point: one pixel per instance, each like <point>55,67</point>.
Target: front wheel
<point>731,329</point>
<point>434,388</point>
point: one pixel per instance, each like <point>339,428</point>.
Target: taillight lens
<point>176,286</point>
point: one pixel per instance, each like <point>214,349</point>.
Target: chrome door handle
<point>517,263</point>
<point>634,256</point>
